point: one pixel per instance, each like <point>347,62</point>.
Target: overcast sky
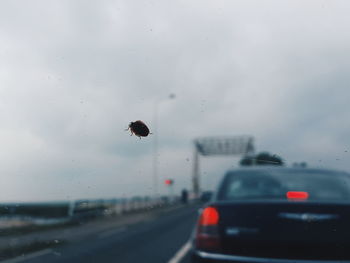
<point>73,74</point>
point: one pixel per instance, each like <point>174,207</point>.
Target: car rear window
<point>268,184</point>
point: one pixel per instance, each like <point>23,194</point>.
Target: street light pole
<point>155,143</point>
<point>155,148</point>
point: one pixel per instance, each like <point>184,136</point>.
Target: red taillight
<point>209,216</point>
<point>297,195</point>
<point>207,236</point>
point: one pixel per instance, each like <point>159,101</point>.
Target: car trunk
<point>294,230</point>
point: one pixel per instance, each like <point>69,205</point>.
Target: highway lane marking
<point>109,233</point>
<point>181,253</point>
<point>29,256</point>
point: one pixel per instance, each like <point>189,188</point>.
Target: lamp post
<point>155,141</point>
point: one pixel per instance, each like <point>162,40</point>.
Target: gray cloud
<point>74,74</point>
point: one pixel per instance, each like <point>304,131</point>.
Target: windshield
<point>319,185</point>
<point>120,118</point>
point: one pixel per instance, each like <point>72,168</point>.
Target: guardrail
<point>62,212</point>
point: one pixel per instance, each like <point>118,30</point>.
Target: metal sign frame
<point>214,146</point>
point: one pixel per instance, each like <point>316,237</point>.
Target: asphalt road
<point>160,240</point>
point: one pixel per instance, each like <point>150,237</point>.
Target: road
<point>159,240</point>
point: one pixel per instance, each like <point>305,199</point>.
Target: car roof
<point>282,168</point>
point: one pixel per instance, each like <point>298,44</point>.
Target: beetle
<point>138,128</point>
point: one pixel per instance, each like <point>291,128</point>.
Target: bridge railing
<point>64,212</point>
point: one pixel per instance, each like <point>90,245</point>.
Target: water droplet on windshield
<point>57,253</point>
